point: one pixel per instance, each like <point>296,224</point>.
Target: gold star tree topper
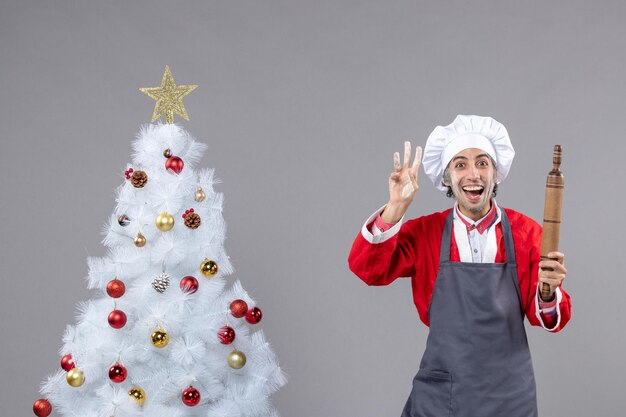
<point>169,98</point>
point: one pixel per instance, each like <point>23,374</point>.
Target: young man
<point>475,272</point>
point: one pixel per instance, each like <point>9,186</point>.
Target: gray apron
<point>477,362</point>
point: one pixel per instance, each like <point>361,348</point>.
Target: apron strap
<point>509,245</point>
<point>510,256</point>
<point>445,239</point>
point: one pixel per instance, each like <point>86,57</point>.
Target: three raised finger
<point>413,169</point>
<point>407,158</point>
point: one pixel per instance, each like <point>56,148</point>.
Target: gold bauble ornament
<point>138,395</point>
<point>75,377</point>
<point>208,268</point>
<point>165,221</point>
<point>236,359</point>
<point>200,195</point>
<point>140,240</point>
<point>160,338</point>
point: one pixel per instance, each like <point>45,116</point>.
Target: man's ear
<point>446,177</point>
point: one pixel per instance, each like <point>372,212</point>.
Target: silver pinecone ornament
<point>161,282</point>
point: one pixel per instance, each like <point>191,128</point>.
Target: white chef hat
<point>467,132</point>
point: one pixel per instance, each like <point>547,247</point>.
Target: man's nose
<point>474,174</point>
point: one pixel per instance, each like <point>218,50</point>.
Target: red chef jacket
<point>414,252</point>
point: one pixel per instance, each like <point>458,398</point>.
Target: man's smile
<point>473,192</point>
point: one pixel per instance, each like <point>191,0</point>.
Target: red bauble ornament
<point>191,396</point>
<point>189,284</point>
<point>254,315</point>
<point>117,373</point>
<point>226,335</point>
<point>42,408</point>
<point>67,362</point>
<point>174,164</point>
<point>238,308</point>
<point>116,288</point>
<point>117,319</point>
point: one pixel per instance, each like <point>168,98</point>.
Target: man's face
<point>472,177</point>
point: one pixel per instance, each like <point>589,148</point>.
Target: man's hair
<point>446,178</point>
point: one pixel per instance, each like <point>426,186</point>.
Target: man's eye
<point>483,163</point>
<point>459,165</point>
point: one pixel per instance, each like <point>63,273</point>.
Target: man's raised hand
<point>402,184</point>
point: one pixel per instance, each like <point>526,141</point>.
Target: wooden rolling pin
<point>552,213</point>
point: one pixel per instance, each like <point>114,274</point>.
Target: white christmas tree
<point>164,337</point>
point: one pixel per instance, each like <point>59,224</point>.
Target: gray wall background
<point>302,104</point>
